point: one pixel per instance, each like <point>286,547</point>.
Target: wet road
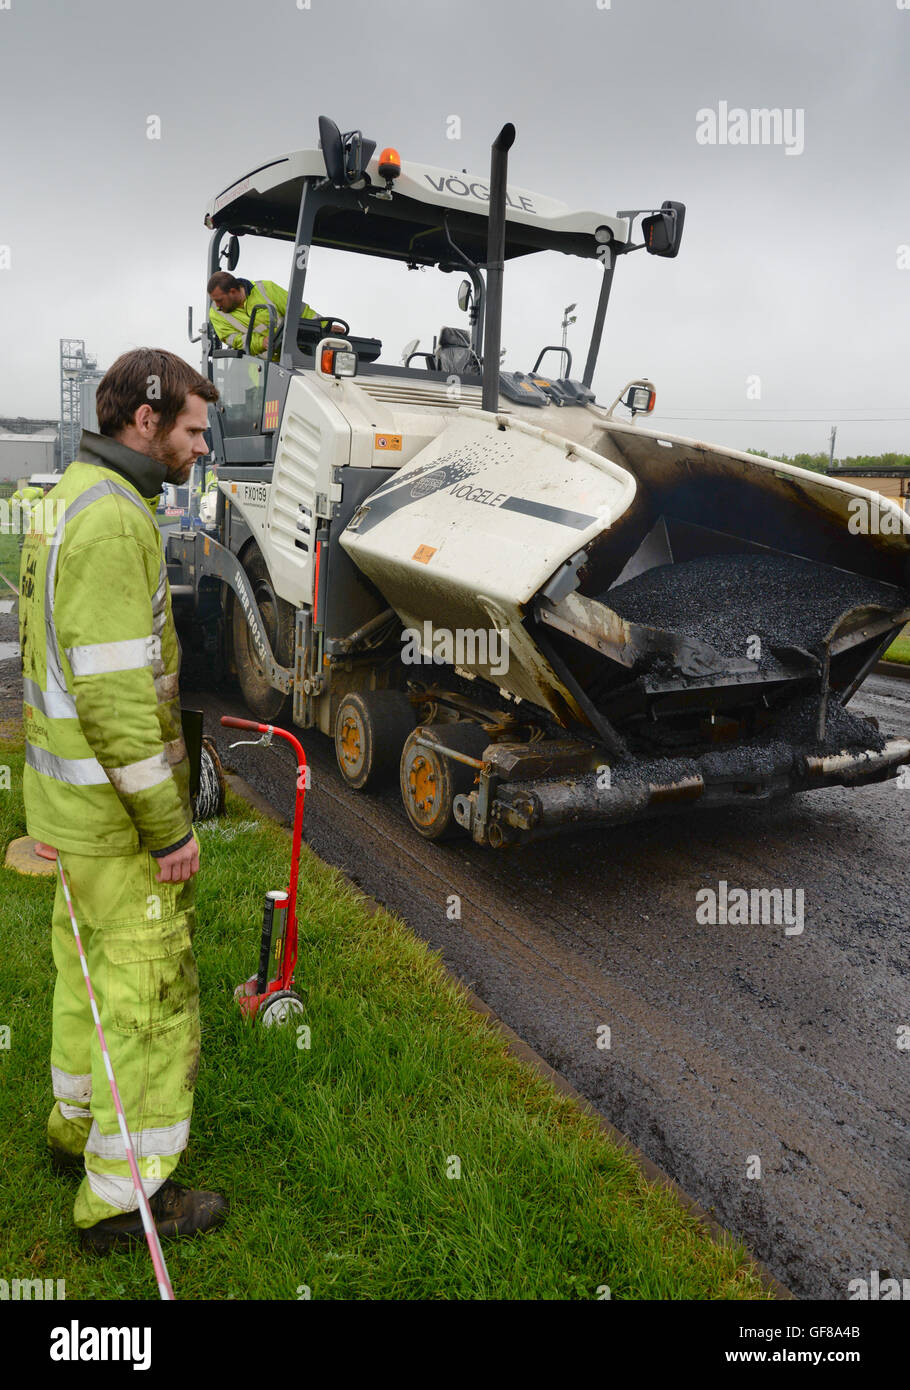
<point>734,1050</point>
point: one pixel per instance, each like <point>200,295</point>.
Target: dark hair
<point>148,376</point>
<point>222,280</point>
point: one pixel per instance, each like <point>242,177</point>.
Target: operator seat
<point>454,354</point>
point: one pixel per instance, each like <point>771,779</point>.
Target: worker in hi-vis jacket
<point>106,783</point>
<point>233,302</point>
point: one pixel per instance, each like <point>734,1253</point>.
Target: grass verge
<point>338,1157</point>
<point>899,649</point>
<point>9,549</point>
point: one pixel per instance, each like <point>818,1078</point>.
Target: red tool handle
<point>230,721</point>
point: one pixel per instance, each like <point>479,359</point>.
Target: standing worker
<point>24,500</point>
<point>107,784</point>
<point>26,493</point>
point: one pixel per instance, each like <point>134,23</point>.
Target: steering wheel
<point>310,331</point>
<point>320,327</point>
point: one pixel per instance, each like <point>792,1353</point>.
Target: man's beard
<point>161,450</point>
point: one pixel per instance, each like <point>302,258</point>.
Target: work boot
<point>176,1211</point>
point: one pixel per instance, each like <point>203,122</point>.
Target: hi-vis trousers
<point>137,937</point>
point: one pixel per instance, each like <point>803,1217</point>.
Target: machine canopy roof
<point>408,227</point>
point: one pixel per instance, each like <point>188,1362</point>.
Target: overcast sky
<point>791,269</point>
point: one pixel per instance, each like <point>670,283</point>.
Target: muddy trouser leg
<point>137,936</point>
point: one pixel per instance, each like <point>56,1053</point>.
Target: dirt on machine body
<point>480,582</point>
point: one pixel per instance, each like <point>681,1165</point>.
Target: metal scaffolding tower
<point>76,367</point>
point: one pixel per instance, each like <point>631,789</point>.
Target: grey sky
<point>789,269</point>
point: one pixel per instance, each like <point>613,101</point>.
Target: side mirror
<point>346,156</point>
<point>465,296</point>
<point>407,350</point>
<point>663,231</point>
<point>230,252</point>
<point>332,150</point>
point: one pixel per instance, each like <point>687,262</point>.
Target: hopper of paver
<point>750,602</point>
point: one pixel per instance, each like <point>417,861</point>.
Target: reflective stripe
<point>175,751</point>
<point>74,1112</point>
<point>159,604</point>
<point>119,1192</point>
<point>71,1086</point>
<point>76,772</point>
<point>55,706</point>
<point>237,324</point>
<point>148,772</point>
<point>160,594</point>
<point>167,687</point>
<point>147,1143</point>
<point>280,324</point>
<point>88,772</point>
<point>141,775</point>
<point>103,658</point>
<point>56,684</point>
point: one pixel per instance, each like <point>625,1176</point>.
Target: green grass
<point>900,648</point>
<point>9,549</point>
<point>335,1157</point>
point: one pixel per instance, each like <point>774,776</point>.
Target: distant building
<point>23,454</point>
<point>890,482</point>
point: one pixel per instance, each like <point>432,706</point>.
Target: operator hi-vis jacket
<point>106,770</point>
<point>231,328</point>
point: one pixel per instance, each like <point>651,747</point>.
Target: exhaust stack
<point>496,250</point>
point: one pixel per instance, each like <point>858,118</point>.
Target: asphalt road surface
<point>734,1050</point>
<point>728,1044</point>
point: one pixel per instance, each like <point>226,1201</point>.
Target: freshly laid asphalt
<point>725,600</point>
<point>728,1043</point>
